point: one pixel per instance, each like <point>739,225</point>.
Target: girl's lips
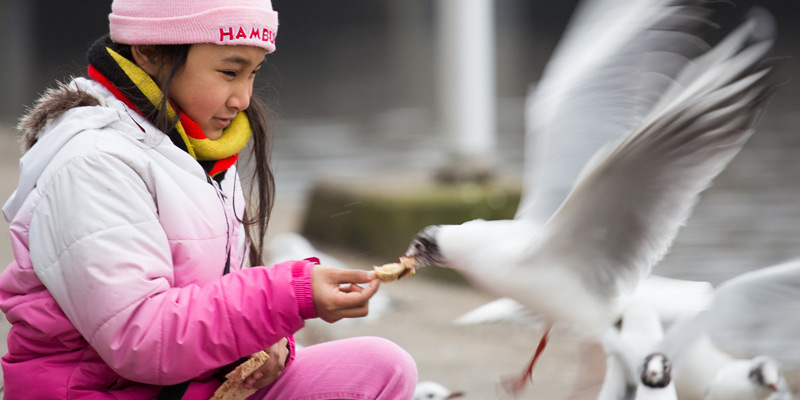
<point>223,121</point>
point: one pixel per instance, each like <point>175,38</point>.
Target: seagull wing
<point>609,69</point>
<point>503,309</point>
<point>631,199</point>
<point>615,59</point>
<point>621,364</point>
<point>294,246</point>
<point>758,313</point>
<point>673,299</point>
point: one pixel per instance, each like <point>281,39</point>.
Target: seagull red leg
<point>515,385</point>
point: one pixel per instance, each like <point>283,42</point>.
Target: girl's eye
<point>231,74</point>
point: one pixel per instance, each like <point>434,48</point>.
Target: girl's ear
<point>144,57</point>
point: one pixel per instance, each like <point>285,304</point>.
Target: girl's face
<point>215,84</point>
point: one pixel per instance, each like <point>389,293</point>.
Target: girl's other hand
<point>337,294</point>
<point>271,369</point>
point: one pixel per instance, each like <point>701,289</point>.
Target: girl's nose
<point>240,98</point>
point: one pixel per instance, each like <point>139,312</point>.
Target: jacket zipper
<point>222,196</point>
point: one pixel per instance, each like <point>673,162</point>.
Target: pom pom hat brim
<point>225,22</point>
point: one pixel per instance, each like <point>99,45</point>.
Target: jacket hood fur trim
<point>51,105</point>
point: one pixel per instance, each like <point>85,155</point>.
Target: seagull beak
<point>774,387</point>
<point>419,259</point>
<point>454,395</point>
<point>413,250</point>
<point>423,249</point>
<point>415,255</point>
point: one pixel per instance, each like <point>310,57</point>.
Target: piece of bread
<point>404,266</point>
<point>232,388</point>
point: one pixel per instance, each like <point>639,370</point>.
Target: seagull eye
<point>421,244</point>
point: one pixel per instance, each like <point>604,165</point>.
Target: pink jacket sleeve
<point>199,328</point>
<point>305,297</point>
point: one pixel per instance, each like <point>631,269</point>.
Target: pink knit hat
<point>231,22</point>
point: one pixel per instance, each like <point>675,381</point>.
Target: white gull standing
<point>431,390</point>
<point>735,350</point>
<point>586,235</point>
<point>632,372</point>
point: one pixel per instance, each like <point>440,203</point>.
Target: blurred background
<point>360,90</point>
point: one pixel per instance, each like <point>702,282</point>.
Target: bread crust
<point>232,388</point>
<point>391,272</point>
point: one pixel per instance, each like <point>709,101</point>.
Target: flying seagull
<point>631,121</point>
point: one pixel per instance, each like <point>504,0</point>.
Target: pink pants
<point>356,368</point>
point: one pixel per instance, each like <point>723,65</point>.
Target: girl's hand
<point>271,369</point>
<point>337,295</point>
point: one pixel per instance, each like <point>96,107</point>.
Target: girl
<point>130,231</point>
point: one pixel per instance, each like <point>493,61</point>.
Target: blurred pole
<point>409,35</point>
<point>16,54</point>
<point>467,86</point>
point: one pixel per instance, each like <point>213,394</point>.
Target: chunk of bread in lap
<point>232,388</point>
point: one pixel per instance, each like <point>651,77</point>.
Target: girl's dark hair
<point>261,193</point>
